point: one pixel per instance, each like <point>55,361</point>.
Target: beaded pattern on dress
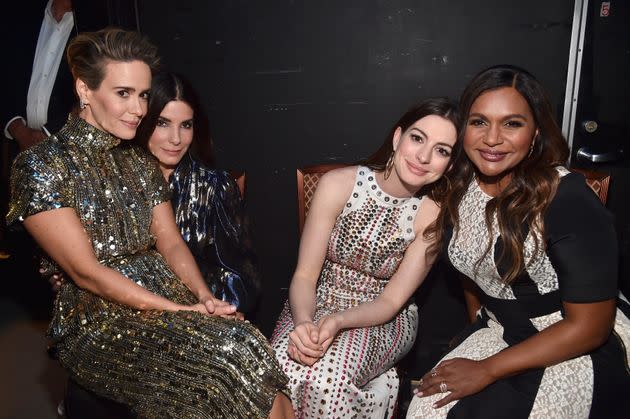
<point>365,248</point>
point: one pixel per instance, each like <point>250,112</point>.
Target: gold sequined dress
<point>355,378</point>
<point>161,364</point>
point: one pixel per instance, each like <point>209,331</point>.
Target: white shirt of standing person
<point>51,45</point>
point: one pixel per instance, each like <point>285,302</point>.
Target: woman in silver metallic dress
<point>207,203</point>
<point>136,324</point>
<point>362,254</point>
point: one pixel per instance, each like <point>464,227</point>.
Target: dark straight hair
<point>165,88</point>
<point>440,106</point>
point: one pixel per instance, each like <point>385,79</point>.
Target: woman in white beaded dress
<point>363,253</point>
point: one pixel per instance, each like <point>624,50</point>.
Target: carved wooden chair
<point>307,179</point>
<point>598,182</point>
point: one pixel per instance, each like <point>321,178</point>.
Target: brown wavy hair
<point>521,206</point>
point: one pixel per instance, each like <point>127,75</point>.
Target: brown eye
<point>514,124</point>
<point>444,152</point>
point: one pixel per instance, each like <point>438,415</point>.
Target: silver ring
<point>443,387</point>
<point>434,372</point>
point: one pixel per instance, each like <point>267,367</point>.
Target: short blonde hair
<point>89,52</point>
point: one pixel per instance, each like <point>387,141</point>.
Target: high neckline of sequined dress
<point>78,131</point>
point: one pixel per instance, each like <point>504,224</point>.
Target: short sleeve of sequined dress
<point>39,182</point>
<point>156,186</point>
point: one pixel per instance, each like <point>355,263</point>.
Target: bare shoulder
<point>343,174</point>
<point>334,188</point>
<point>427,205</point>
<point>338,180</point>
<point>427,213</point>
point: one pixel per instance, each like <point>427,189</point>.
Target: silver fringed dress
<point>211,217</point>
<point>161,364</point>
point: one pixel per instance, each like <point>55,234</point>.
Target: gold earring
<point>531,147</point>
<point>389,165</point>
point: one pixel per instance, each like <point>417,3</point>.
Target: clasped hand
<point>208,305</point>
<point>213,306</point>
<point>309,341</point>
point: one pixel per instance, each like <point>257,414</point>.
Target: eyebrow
<point>169,120</point>
<point>426,136</point>
<point>131,89</point>
<point>513,115</point>
<point>124,87</point>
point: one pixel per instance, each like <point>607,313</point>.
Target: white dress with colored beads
<point>355,377</point>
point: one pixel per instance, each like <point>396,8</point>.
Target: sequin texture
<point>355,377</point>
<point>161,364</point>
<point>211,217</point>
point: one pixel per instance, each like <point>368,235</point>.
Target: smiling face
<point>423,152</point>
<point>498,134</point>
<point>120,101</point>
<point>173,135</point>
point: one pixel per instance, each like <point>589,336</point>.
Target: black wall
<point>297,82</point>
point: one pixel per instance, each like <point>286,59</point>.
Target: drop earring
<point>82,104</point>
<point>389,166</point>
<point>531,147</point>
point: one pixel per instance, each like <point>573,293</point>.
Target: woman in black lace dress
<point>550,328</point>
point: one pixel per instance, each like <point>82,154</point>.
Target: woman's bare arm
<point>60,234</point>
<point>170,244</point>
<point>332,192</point>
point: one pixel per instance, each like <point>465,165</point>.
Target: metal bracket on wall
<point>574,69</point>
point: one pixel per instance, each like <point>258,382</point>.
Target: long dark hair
<point>437,190</point>
<point>166,87</point>
<point>521,206</point>
<point>440,106</point>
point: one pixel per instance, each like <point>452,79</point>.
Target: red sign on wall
<point>604,11</point>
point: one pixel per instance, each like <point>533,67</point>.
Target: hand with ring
<point>457,377</point>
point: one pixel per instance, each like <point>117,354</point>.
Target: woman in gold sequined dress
<point>136,324</point>
<point>364,251</point>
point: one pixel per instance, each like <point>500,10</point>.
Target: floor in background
<point>31,384</point>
